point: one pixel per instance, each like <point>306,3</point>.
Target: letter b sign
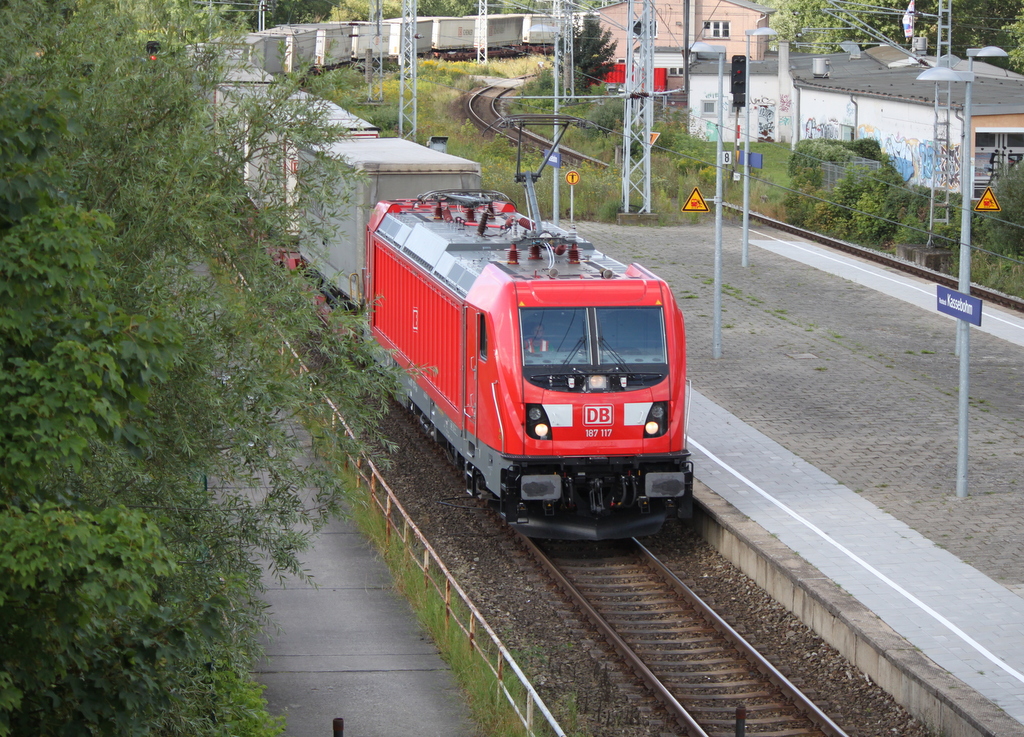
<point>597,414</point>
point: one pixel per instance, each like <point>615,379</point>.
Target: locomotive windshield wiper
<point>614,354</point>
<point>575,349</point>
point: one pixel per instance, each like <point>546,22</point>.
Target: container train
<point>554,375</point>
<point>302,46</point>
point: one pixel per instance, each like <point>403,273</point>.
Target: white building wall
<point>765,111</point>
<point>904,130</point>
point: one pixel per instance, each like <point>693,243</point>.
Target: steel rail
<point>661,692</point>
<point>627,653</point>
<point>804,704</point>
<point>989,295</point>
<point>487,119</point>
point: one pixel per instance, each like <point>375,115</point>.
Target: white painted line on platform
<point>1007,326</point>
<point>974,644</point>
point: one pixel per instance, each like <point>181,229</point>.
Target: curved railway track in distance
<point>483,106</point>
<point>694,663</point>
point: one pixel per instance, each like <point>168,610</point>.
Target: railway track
<point>885,259</point>
<point>483,107</point>
<point>701,670</point>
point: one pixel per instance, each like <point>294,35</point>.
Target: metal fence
<point>832,172</point>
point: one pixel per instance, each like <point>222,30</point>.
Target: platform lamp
<point>745,260</point>
<point>700,47</point>
<point>945,74</point>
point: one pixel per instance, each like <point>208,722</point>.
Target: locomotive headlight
<point>597,382</point>
<point>538,426</point>
<point>656,423</point>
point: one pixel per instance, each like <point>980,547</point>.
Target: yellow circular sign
<point>572,177</point>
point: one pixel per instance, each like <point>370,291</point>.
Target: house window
<point>675,71</point>
<point>716,29</point>
<point>708,107</point>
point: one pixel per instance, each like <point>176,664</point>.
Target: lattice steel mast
<point>375,55</point>
<point>407,62</point>
<point>639,107</point>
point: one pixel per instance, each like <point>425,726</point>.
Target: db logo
<point>597,414</point>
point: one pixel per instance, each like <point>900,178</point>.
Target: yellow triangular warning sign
<point>695,202</point>
<point>988,202</point>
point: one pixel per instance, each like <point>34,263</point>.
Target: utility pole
<point>407,61</point>
<point>639,106</point>
<point>375,55</point>
<point>480,37</point>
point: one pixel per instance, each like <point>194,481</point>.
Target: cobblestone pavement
<point>859,384</point>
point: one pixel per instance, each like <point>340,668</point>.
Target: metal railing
<point>419,552</point>
<point>491,651</point>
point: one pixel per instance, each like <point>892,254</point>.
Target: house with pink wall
<point>679,24</point>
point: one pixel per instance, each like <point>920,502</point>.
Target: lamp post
<point>945,74</point>
<point>700,47</point>
<point>745,260</point>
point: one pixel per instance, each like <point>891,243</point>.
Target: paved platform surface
<point>831,421</point>
<point>352,648</point>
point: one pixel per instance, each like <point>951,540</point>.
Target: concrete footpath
<point>352,648</point>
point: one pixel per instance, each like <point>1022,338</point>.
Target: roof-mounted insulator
<point>574,254</point>
<point>437,211</point>
<point>482,227</point>
<point>513,255</point>
<point>470,215</point>
<point>535,252</point>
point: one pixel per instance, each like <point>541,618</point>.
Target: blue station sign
<point>959,305</point>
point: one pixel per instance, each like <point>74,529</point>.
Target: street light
<point>963,329</point>
<point>745,260</point>
<point>701,47</point>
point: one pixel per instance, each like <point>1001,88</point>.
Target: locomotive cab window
<point>594,348</point>
<point>630,336</point>
<point>555,336</point>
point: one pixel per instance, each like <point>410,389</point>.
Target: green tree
<point>805,22</point>
<point>594,52</point>
<point>154,409</point>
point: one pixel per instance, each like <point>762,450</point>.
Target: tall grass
<point>488,704</point>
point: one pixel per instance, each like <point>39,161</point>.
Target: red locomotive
<point>554,375</point>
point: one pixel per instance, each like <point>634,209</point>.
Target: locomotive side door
<point>476,351</point>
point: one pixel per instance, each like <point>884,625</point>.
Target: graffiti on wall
<point>814,128</point>
<point>766,122</point>
<point>785,103</point>
<point>919,162</point>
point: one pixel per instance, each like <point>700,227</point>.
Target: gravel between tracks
<point>567,661</point>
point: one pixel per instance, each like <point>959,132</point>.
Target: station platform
<point>831,421</point>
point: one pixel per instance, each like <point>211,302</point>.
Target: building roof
<point>887,72</point>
